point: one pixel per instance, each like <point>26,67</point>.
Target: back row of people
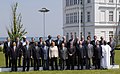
<point>69,53</point>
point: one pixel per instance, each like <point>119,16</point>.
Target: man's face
<point>58,36</point>
<point>8,39</point>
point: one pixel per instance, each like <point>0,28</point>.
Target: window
<point>75,17</point>
<point>88,16</point>
<point>75,2</point>
<point>110,1</point>
<point>67,2</point>
<point>71,2</point>
<point>67,19</point>
<point>88,1</point>
<point>75,35</point>
<point>119,16</point>
<point>110,34</point>
<point>89,34</point>
<point>67,37</point>
<point>71,17</point>
<point>81,17</point>
<point>110,15</point>
<point>102,16</point>
<point>119,35</point>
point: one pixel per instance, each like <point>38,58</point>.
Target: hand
<point>31,57</point>
<point>22,57</point>
<point>70,54</point>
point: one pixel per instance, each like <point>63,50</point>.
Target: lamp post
<point>44,10</point>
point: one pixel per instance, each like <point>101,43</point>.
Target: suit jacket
<point>14,53</point>
<point>48,42</point>
<point>53,52</point>
<point>63,53</point>
<point>112,45</point>
<point>36,52</point>
<point>27,53</point>
<point>81,52</point>
<point>89,51</point>
<point>98,52</point>
<point>72,51</point>
<point>6,48</point>
<point>45,53</point>
<point>58,44</point>
<point>19,48</point>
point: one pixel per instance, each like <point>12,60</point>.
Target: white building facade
<point>91,17</point>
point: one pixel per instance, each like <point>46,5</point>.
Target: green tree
<point>16,28</point>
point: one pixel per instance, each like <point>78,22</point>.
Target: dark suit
<point>112,44</point>
<point>98,55</point>
<point>27,52</point>
<point>71,57</point>
<point>48,42</point>
<point>36,53</point>
<point>6,51</point>
<point>63,56</point>
<point>40,45</point>
<point>89,55</point>
<point>32,44</point>
<point>19,48</point>
<point>81,56</point>
<point>14,54</point>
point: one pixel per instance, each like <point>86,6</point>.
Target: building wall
<point>99,24</point>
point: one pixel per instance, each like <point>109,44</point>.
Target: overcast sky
<point>31,18</point>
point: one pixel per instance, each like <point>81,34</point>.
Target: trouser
<point>36,64</point>
<point>46,64</point>
<point>112,58</point>
<point>19,60</point>
<point>31,61</point>
<point>62,64</point>
<point>71,63</point>
<point>97,64</point>
<point>8,60</point>
<point>88,63</point>
<point>14,64</point>
<point>26,61</point>
<point>54,61</point>
<point>80,63</point>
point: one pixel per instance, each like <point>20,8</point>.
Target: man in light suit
<point>45,53</point>
<point>112,44</point>
<point>89,54</point>
<point>63,56</point>
<point>6,51</point>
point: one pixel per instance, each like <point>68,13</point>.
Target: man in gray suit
<point>112,44</point>
<point>63,56</point>
<point>45,50</point>
<point>89,54</point>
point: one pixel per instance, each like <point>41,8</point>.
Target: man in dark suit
<point>63,56</point>
<point>97,55</point>
<point>36,53</point>
<point>32,44</point>
<point>81,55</point>
<point>27,54</point>
<point>19,48</point>
<point>40,45</point>
<point>49,40</point>
<point>14,54</point>
<point>6,51</point>
<point>112,44</point>
<point>71,56</point>
<point>89,54</point>
<point>93,42</point>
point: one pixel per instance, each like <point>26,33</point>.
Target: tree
<point>16,27</point>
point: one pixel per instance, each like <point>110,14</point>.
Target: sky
<point>31,18</point>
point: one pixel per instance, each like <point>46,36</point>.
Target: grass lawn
<point>115,71</point>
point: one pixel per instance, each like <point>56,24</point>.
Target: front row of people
<point>64,55</point>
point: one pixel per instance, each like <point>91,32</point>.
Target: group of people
<point>59,53</point>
